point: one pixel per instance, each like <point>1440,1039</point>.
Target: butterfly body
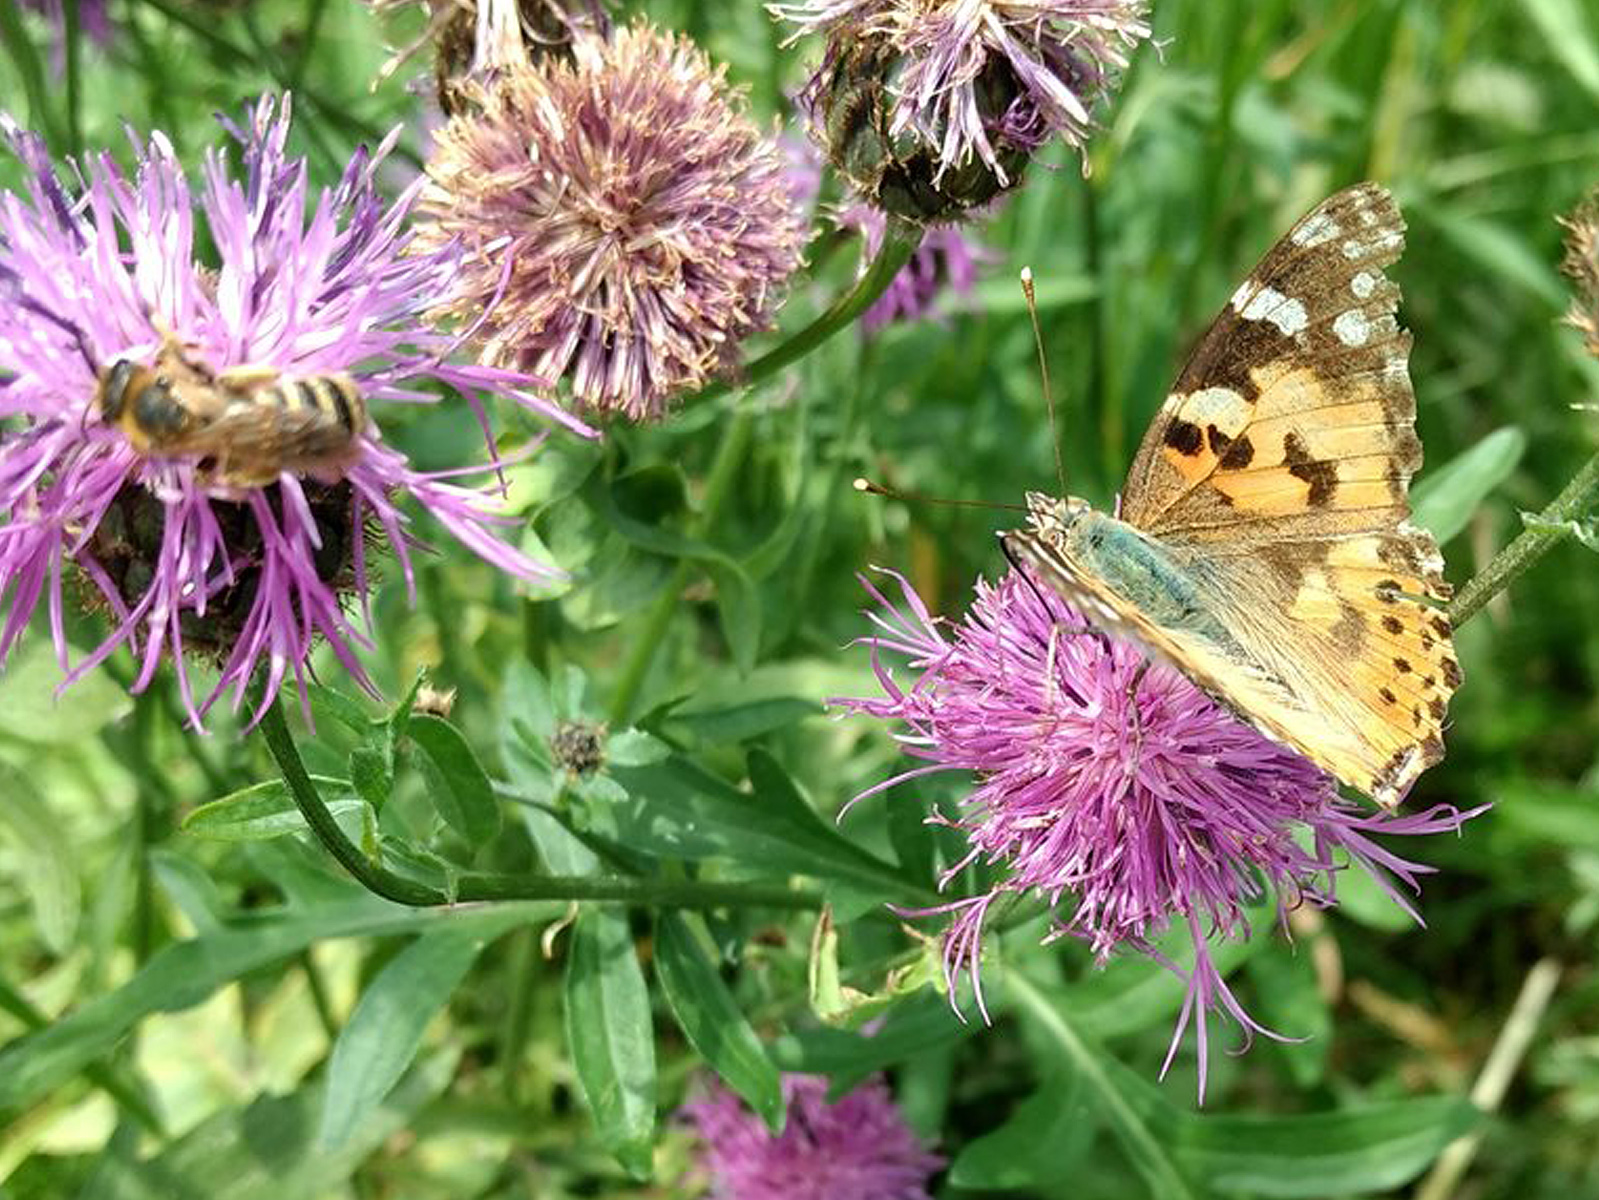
<point>1263,545</point>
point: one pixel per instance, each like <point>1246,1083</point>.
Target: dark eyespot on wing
<point>1322,476</point>
<point>1184,437</point>
<point>1239,455</point>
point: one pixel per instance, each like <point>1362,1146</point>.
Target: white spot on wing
<point>1363,284</point>
<point>1352,328</point>
<point>1286,313</point>
<point>1315,230</point>
<point>1218,406</point>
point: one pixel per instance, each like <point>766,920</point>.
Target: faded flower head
<point>930,107</point>
<point>174,547</point>
<point>627,222</point>
<point>1143,807</point>
<point>1581,266</point>
<point>857,1148</point>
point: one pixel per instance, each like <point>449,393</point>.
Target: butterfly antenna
<point>1043,371</point>
<point>877,489</point>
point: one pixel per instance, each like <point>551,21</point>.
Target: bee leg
<point>245,376</point>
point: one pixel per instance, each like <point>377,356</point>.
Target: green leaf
<point>737,600</point>
<point>1042,1142</point>
<point>1546,814</point>
<point>1289,1001</point>
<point>738,605</point>
<point>263,1150</point>
<point>1586,530</point>
<point>385,1031</point>
<point>610,1038</point>
<point>325,702</point>
<point>1501,252</point>
<point>917,1023</point>
<point>46,865</point>
<point>739,722</point>
<point>677,809</point>
<point>1565,27</point>
<point>711,1019</point>
<point>457,782</point>
<point>1348,1152</point>
<point>372,775</point>
<point>1003,297</point>
<point>267,810</point>
<point>563,852</point>
<point>184,974</point>
<point>635,748</point>
<point>1136,992</point>
<point>1444,499</point>
<point>1139,1118</point>
<point>1352,1151</point>
<point>32,711</point>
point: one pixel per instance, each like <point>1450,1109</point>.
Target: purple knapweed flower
<point>857,1148</point>
<point>1136,807</point>
<point>933,106</point>
<point>178,555</point>
<point>628,223</point>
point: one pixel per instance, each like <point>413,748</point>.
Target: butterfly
<point>1263,543</point>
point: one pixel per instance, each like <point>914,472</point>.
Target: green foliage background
<point>198,1002</point>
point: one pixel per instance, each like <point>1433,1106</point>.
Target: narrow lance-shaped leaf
<point>385,1031</point>
<point>609,1035</point>
<point>711,1019</point>
<point>1444,498</point>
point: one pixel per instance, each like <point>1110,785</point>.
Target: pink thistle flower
<point>108,270</point>
<point>988,81</point>
<point>629,219</point>
<point>857,1148</point>
<point>1143,807</point>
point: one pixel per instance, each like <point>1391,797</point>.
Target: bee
<point>245,425</point>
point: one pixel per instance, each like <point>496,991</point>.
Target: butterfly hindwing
<point>1274,478</point>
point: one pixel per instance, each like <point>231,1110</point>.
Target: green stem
<point>899,243</point>
<point>72,30</point>
<point>1144,1150</point>
<point>729,455</point>
<point>1576,500</point>
<point>660,893</point>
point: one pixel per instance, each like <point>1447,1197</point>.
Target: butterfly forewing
<point>1277,471</point>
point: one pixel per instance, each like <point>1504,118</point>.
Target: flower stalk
<point>899,242</point>
<point>1577,499</point>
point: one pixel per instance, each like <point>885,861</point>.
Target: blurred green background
<point>1479,115</point>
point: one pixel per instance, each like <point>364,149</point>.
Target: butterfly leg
<point>1132,704</point>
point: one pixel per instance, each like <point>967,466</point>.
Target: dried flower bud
<point>1581,266</point>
